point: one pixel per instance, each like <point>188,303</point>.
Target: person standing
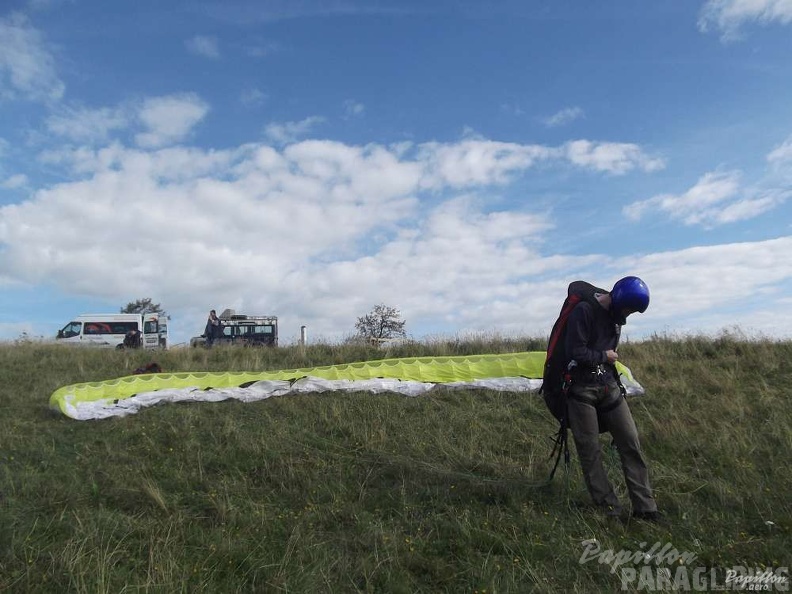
<point>213,328</point>
<point>596,400</point>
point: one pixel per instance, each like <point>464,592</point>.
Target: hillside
<point>382,493</point>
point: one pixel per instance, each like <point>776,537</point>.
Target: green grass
<point>378,493</point>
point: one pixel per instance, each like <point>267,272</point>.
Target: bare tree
<point>380,323</point>
<point>143,306</point>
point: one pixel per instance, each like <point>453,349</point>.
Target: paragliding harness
<point>558,370</point>
<point>152,367</point>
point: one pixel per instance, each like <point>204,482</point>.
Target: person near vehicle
<point>213,328</point>
<point>132,339</point>
<point>596,399</point>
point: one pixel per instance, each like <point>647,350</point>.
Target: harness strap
<point>561,438</point>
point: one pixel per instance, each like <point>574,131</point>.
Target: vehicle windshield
<point>70,329</point>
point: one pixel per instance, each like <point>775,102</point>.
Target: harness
<point>599,374</point>
<point>559,375</point>
<point>560,439</point>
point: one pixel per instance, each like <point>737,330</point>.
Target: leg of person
<point>636,474</point>
<point>585,430</point>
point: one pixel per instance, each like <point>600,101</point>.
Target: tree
<point>380,323</point>
<point>143,306</point>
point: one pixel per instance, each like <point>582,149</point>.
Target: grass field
<point>382,493</point>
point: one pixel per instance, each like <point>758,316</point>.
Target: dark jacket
<point>213,331</point>
<point>591,331</point>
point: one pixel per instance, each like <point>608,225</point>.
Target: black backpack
<point>556,376</point>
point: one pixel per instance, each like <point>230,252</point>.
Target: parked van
<point>115,331</point>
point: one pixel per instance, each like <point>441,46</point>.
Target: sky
<point>457,160</point>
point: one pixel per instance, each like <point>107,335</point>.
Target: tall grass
<point>378,493</point>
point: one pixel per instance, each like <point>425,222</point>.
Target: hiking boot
<point>649,516</point>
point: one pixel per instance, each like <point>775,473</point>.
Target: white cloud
<point>315,218</point>
<point>716,199</point>
<point>318,230</point>
<point>729,15</point>
<point>169,119</point>
<point>213,220</point>
<point>478,162</point>
<point>160,120</point>
<point>285,132</point>
<point>353,108</point>
<point>611,157</point>
<point>27,66</point>
<point>695,204</point>
<point>563,117</point>
<point>15,182</point>
<point>782,154</point>
<point>749,208</point>
<point>203,45</point>
<point>253,97</point>
<point>700,279</point>
<point>87,125</point>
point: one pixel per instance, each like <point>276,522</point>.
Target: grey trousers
<point>582,403</point>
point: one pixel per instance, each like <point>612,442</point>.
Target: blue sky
<point>461,161</point>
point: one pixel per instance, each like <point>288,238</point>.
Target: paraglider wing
<point>410,376</point>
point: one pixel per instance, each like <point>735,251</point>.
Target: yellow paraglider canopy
<point>102,399</point>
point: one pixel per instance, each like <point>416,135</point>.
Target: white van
<point>110,330</point>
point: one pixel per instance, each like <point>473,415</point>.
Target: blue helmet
<point>629,293</point>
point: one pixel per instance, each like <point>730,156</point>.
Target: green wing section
<point>438,370</point>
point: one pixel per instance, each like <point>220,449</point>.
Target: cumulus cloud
<point>27,65</point>
<point>727,16</point>
<point>285,132</point>
<point>257,226</point>
<point>717,198</point>
<point>87,125</point>
<point>320,231</point>
<point>169,119</point>
<point>480,161</point>
<point>474,161</point>
<point>15,182</point>
<point>563,117</point>
<point>203,45</point>
<point>763,268</point>
<point>157,121</point>
<point>611,157</point>
<point>695,204</point>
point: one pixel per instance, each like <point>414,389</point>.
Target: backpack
<point>556,376</point>
<point>555,371</point>
<point>152,367</point>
